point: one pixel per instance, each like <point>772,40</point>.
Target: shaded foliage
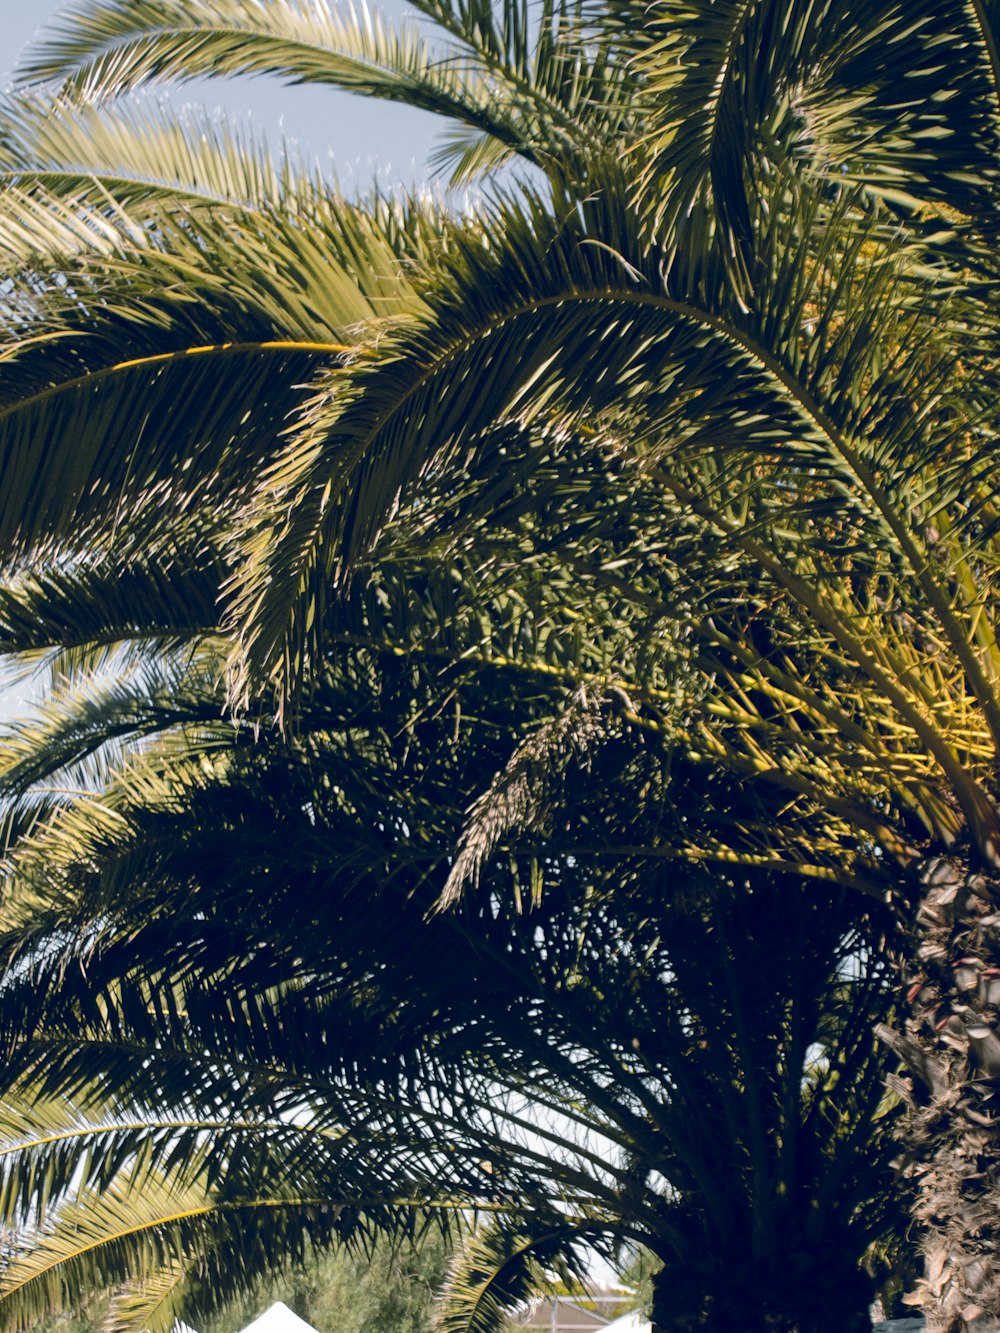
<point>638,524</point>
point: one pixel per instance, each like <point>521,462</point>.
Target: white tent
<point>278,1319</point>
<point>632,1322</point>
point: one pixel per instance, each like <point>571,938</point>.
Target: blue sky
<point>355,137</point>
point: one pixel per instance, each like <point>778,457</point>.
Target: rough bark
<point>951,1048</point>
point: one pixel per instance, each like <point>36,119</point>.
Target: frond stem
<point>283,345</point>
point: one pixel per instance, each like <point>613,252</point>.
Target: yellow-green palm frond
<point>543,87</point>
<point>152,1304</point>
<point>140,158</point>
<point>98,1241</point>
<point>729,92</point>
<point>499,1267</point>
<point>160,323</point>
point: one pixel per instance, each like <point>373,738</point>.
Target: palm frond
<point>139,156</point>
<point>550,303</point>
<point>131,1236</point>
<point>733,90</point>
<point>98,605</point>
<point>78,719</point>
<point>564,97</point>
<point>153,1304</point>
<point>498,1268</point>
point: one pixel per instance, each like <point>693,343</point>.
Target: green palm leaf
<point>498,1269</point>
<point>867,92</point>
<point>536,87</point>
<point>137,156</point>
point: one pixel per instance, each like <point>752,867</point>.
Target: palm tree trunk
<point>829,1293</point>
<point>951,1048</point>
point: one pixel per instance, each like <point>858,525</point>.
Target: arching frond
<point>548,331</point>
<point>537,86</point>
<point>842,91</point>
<point>153,1304</point>
<point>80,718</point>
<point>139,157</point>
<point>76,396</point>
<point>56,615</point>
<point>498,1269</point>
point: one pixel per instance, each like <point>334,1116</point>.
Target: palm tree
<point>231,1027</point>
<point>734,361</point>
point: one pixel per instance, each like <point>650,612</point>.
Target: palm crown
<point>703,420</point>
